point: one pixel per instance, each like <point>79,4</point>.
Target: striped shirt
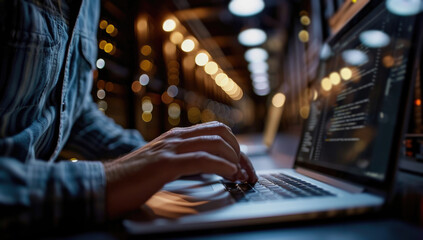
<point>47,54</point>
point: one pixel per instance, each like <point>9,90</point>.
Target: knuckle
<point>223,127</point>
<point>199,156</point>
<point>175,132</point>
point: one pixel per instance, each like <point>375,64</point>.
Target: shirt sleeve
<point>46,194</point>
<point>96,136</point>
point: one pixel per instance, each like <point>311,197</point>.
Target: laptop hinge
<point>331,181</point>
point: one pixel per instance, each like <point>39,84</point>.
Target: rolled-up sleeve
<point>39,193</point>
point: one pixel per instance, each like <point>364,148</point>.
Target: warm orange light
<point>146,50</point>
<point>194,115</point>
<point>114,33</point>
<point>278,100</point>
<point>147,116</point>
<point>136,86</point>
<point>335,78</point>
<point>108,47</point>
<point>102,44</point>
<point>109,86</point>
<point>101,84</point>
<point>103,24</point>
<point>176,37</point>
<point>303,36</point>
<point>146,65</point>
<point>166,99</point>
<point>418,102</point>
<point>110,28</point>
<point>326,84</point>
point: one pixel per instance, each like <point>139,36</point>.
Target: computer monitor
<point>355,115</point>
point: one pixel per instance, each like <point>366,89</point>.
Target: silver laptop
<point>346,159</point>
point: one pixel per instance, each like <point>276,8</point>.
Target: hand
<point>205,148</point>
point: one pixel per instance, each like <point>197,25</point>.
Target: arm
<point>96,136</point>
<point>41,194</point>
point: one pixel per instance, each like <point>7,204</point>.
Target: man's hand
<point>205,148</point>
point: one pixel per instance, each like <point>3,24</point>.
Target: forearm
<point>51,194</point>
<point>130,184</point>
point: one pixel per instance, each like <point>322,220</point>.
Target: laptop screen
<point>358,96</point>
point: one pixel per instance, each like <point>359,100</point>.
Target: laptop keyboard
<point>272,187</point>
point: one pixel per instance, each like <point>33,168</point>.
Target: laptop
<point>347,155</point>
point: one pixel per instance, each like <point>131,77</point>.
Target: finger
<point>202,162</point>
<point>212,128</point>
<point>246,164</point>
<point>213,144</point>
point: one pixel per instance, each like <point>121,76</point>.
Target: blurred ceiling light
<point>211,68</point>
<point>346,73</point>
<point>258,67</point>
<point>188,45</point>
<point>263,92</point>
<point>110,28</point>
<point>103,24</point>
<point>260,78</point>
<point>102,105</point>
<point>252,37</point>
<point>147,116</point>
<point>221,79</point>
<point>278,100</point>
<point>404,7</point>
<point>136,86</point>
<point>194,115</point>
<point>315,95</point>
<point>176,37</point>
<point>326,84</point>
<point>303,36</point>
<point>169,25</point>
<point>261,85</point>
<point>101,94</point>
<point>374,38</point>
<point>169,48</point>
<point>354,57</point>
<point>229,86</point>
<point>304,111</point>
<point>146,50</point>
<point>325,52</point>
<point>335,79</point>
<point>256,55</point>
<point>114,33</point>
<point>201,59</point>
<point>144,79</point>
<point>147,106</point>
<point>305,20</point>
<point>245,8</point>
<point>238,95</point>
<point>146,65</point>
<point>102,44</point>
<point>172,91</point>
<point>100,63</point>
<point>108,47</point>
<point>174,110</point>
